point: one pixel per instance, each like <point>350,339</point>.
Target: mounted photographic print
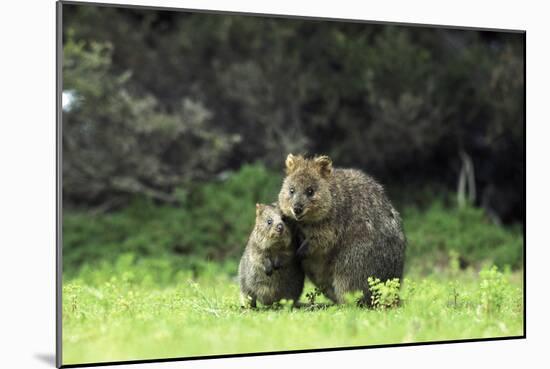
<point>247,184</point>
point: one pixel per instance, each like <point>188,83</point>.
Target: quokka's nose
<point>298,209</point>
<point>279,227</point>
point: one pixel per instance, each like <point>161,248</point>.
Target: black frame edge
<point>58,180</point>
<point>306,351</point>
<point>525,184</point>
<point>287,16</point>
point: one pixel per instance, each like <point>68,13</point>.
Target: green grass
<point>128,311</point>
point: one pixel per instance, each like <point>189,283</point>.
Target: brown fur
<point>352,231</point>
<point>269,270</point>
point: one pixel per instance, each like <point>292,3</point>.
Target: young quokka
<point>269,270</point>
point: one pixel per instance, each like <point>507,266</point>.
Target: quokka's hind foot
<point>365,301</point>
<point>247,302</point>
<point>298,305</point>
<point>317,306</point>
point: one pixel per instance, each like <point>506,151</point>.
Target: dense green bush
<point>214,220</point>
<point>163,98</point>
<point>119,142</point>
<point>467,231</point>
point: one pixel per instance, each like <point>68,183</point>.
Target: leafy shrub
<point>371,96</point>
<point>466,231</point>
<point>118,142</point>
<point>495,291</point>
<point>384,294</point>
<point>212,223</point>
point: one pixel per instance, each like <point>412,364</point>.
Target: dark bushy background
<point>179,122</point>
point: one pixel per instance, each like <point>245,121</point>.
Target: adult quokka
<point>352,232</point>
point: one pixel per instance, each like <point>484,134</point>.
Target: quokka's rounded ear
<point>291,163</point>
<point>259,209</point>
<point>325,165</point>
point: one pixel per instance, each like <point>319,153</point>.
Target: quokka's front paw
<point>267,264</point>
<point>277,264</point>
<point>303,249</point>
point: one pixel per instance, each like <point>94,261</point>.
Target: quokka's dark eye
<point>292,190</point>
<point>270,221</point>
<point>309,191</point>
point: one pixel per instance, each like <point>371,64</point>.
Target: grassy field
<point>151,281</point>
<point>128,311</point>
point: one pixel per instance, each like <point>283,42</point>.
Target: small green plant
<point>493,289</point>
<point>312,296</point>
<point>72,292</point>
<point>453,290</point>
<point>384,295</point>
